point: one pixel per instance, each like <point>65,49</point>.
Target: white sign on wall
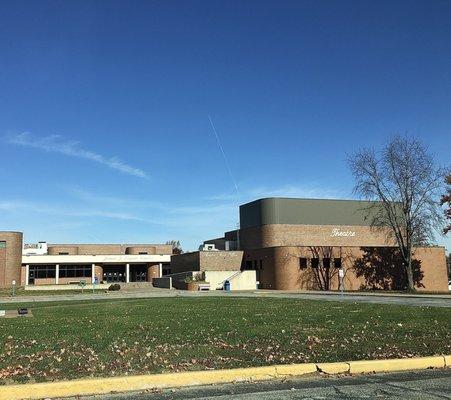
<point>338,232</point>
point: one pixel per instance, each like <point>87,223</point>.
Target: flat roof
<point>304,211</point>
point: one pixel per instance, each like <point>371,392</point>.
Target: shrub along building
<point>44,264</point>
<point>297,244</point>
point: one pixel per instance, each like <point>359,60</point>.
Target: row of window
<point>65,271</point>
<point>315,262</point>
<point>75,271</point>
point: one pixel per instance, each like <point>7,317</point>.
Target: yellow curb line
<point>99,386</point>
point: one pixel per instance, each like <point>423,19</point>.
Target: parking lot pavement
<point>427,384</point>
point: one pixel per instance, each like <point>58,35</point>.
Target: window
<point>63,253</point>
<point>315,262</point>
<point>261,264</point>
<point>75,271</point>
<point>326,263</point>
<point>143,252</point>
<point>302,263</point>
<point>2,245</point>
<point>42,271</point>
<point>337,262</point>
<point>248,264</point>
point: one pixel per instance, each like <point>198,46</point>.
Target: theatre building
<point>295,244</point>
<point>48,264</point>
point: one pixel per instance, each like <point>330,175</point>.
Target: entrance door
<point>138,273</point>
<point>114,273</point>
<point>31,276</point>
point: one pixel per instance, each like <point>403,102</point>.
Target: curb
<point>97,386</point>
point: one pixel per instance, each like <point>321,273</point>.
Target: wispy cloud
<point>57,144</point>
<point>26,207</point>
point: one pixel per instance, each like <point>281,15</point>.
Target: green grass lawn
<point>105,338</point>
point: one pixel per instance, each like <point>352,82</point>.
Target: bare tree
<point>176,246</point>
<point>405,182</point>
<point>446,199</point>
<point>322,267</point>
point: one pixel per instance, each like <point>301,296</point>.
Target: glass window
<point>337,262</point>
<point>302,263</point>
<point>43,271</point>
<point>326,262</point>
<point>75,271</point>
<point>315,262</point>
<point>63,253</point>
<point>2,245</point>
<point>143,252</point>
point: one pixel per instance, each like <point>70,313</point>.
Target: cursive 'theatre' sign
<point>339,232</point>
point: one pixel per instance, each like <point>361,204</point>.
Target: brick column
<point>152,271</point>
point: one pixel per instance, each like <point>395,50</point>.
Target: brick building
<point>297,244</point>
<point>44,264</point>
<point>290,244</point>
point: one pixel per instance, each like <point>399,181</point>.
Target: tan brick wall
<point>207,261</point>
<point>23,275</point>
<point>105,249</point>
<point>11,258</point>
<point>221,260</point>
<point>281,267</point>
<point>310,235</point>
<point>55,250</point>
<point>2,266</point>
<point>433,263</point>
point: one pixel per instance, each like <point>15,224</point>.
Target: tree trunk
<point>410,284</point>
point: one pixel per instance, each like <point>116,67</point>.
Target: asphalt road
<point>428,384</point>
<point>385,298</point>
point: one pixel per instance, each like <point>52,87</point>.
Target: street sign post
<point>341,274</point>
<point>94,283</point>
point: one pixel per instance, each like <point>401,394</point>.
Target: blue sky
<point>104,106</point>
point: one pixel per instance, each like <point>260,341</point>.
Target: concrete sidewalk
<point>426,300</point>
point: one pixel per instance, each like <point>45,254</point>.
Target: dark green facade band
<point>306,212</point>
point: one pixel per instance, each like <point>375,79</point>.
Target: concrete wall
<point>243,280</point>
<point>10,258</point>
<point>281,267</point>
<point>164,282</point>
